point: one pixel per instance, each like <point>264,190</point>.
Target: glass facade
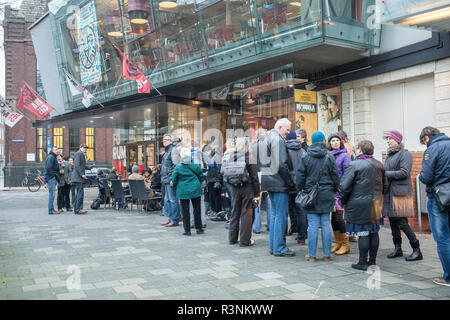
<point>58,139</point>
<point>41,144</point>
<point>194,38</point>
<point>90,142</point>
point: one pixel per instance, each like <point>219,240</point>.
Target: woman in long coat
<point>398,201</point>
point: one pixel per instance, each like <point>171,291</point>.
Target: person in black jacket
<point>398,203</point>
<point>435,172</point>
<point>361,191</point>
<point>51,177</point>
<point>276,178</point>
<point>308,174</point>
<point>296,213</point>
<point>245,194</point>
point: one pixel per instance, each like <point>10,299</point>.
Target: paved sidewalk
<point>127,255</point>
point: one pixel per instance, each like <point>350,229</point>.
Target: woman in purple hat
<point>398,200</point>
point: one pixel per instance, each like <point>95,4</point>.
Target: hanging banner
<point>131,72</point>
<point>11,117</point>
<point>89,46</point>
<point>31,101</point>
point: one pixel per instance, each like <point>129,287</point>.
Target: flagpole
<point>151,84</point>
<point>39,96</point>
<point>16,111</point>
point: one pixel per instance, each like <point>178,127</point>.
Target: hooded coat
<point>308,172</point>
<point>342,161</point>
<point>187,179</point>
<point>398,200</point>
<point>295,152</point>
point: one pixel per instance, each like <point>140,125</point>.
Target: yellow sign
<point>306,96</point>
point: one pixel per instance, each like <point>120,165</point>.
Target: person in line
<point>112,175</point>
<point>276,178</point>
<point>79,178</point>
<point>347,145</point>
<point>317,167</point>
<point>256,149</point>
<point>302,136</point>
<point>72,186</point>
<point>296,212</point>
<point>214,183</point>
<point>434,173</point>
<point>398,203</point>
<point>51,178</point>
<point>241,175</point>
<point>361,191</point>
<point>339,152</point>
<point>64,185</point>
<point>187,179</point>
<point>169,161</point>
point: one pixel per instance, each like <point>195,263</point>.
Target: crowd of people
<point>327,185</point>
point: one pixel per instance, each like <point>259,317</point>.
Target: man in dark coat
<point>51,177</point>
<point>398,201</point>
<point>276,178</point>
<point>79,178</point>
<point>436,171</point>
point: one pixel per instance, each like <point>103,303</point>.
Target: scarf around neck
<point>364,156</point>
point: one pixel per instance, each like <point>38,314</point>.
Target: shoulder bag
<point>308,200</point>
<point>442,195</point>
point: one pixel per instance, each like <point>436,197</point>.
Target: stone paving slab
<point>129,255</point>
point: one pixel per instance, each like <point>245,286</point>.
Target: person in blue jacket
<point>436,171</point>
<point>51,178</point>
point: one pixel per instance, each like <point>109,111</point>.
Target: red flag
<point>131,71</point>
<point>32,102</point>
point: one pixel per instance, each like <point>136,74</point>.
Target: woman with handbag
<point>398,203</point>
<point>187,181</point>
<point>361,191</point>
<point>318,181</point>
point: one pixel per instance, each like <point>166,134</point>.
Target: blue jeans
<point>314,221</point>
<point>51,184</point>
<point>440,228</point>
<point>278,222</point>
<point>78,205</point>
<point>257,221</point>
<point>172,204</point>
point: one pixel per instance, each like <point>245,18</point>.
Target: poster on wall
<point>306,111</point>
<point>89,46</point>
<point>328,113</point>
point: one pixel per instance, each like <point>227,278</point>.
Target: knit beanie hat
<point>291,135</point>
<point>334,135</point>
<point>317,136</point>
<point>395,135</point>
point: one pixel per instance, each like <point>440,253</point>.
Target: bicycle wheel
<point>34,185</point>
<point>25,181</point>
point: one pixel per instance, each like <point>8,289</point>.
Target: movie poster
<point>328,113</point>
<point>306,111</point>
<point>89,46</point>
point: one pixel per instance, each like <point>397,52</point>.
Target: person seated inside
<point>112,175</point>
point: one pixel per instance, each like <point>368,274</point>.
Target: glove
<point>217,185</point>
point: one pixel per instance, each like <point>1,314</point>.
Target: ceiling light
<point>168,4</point>
<point>138,11</point>
<point>295,3</point>
<point>428,17</point>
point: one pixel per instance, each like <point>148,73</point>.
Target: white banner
<point>11,117</point>
<point>89,46</point>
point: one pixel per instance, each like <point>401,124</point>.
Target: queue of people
<point>349,192</point>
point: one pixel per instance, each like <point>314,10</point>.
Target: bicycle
<point>30,175</point>
<point>36,184</point>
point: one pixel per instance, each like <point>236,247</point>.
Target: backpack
<point>96,203</point>
<point>235,172</point>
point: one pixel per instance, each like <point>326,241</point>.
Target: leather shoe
<point>416,255</point>
<point>171,224</point>
<point>81,212</point>
<point>54,212</point>
<point>200,231</point>
<point>301,242</point>
<point>288,253</point>
<point>359,266</point>
<point>252,242</point>
<point>165,223</point>
<point>396,253</point>
<point>186,234</point>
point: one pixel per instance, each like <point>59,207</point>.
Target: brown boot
<point>337,246</point>
<point>345,248</point>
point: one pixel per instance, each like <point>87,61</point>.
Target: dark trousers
<point>242,214</point>
<point>292,214</point>
<point>301,222</point>
<point>368,245</point>
<point>401,224</point>
<point>78,205</point>
<point>196,204</point>
<point>215,200</point>
<point>73,193</point>
<point>63,198</point>
<point>337,221</point>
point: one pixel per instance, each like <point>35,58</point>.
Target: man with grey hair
<point>135,174</point>
<point>169,161</point>
<point>276,179</point>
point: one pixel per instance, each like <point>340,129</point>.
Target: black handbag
<point>442,195</point>
<point>308,200</point>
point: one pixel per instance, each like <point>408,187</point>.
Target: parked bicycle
<point>34,181</point>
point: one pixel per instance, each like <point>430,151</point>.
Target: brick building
<point>25,146</point>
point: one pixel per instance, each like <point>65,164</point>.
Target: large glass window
<point>58,139</point>
<point>90,142</point>
<point>74,140</point>
<point>41,144</point>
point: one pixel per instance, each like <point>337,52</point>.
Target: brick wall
<point>415,170</point>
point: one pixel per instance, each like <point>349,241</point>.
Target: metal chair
<point>143,194</point>
<point>118,192</point>
<point>134,193</point>
<point>107,191</point>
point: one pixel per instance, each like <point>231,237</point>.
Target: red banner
<point>131,71</point>
<point>32,102</point>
